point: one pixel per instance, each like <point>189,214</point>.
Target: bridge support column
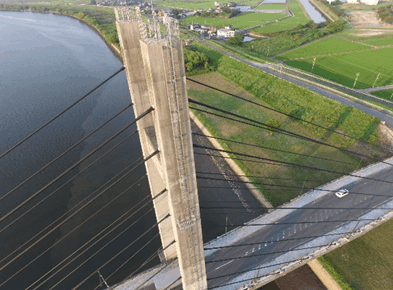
<point>154,63</point>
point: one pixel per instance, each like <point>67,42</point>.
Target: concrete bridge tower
<point>153,58</point>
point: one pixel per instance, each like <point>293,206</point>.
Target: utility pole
<point>356,223</point>
<point>354,84</point>
<point>226,224</point>
<point>376,80</point>
<point>101,279</point>
<point>392,93</point>
<point>313,64</point>
<point>281,67</point>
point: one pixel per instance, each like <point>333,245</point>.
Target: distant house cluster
<point>366,2</point>
<point>115,2</point>
<point>213,31</point>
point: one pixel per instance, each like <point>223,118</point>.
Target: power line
<point>59,114</point>
<point>253,176</point>
<point>271,242</point>
<point>115,256</point>
<point>274,149</point>
<point>70,216</point>
<point>64,184</point>
<point>65,152</point>
<point>290,163</point>
<point>268,127</point>
<point>285,114</point>
<point>90,217</point>
<point>76,164</point>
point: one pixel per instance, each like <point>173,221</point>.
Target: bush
<point>386,13</point>
<point>196,62</point>
<point>237,39</point>
<point>274,123</point>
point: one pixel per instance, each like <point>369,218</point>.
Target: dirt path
<point>366,19</point>
<point>323,275</point>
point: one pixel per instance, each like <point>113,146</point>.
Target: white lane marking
<point>223,265</point>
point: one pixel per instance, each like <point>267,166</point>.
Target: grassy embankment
<point>102,19</point>
<point>385,94</point>
<point>242,21</point>
<point>365,263</point>
<point>271,7</point>
<point>376,40</point>
<point>258,86</point>
<point>288,23</point>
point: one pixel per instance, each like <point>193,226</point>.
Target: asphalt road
<point>272,238</point>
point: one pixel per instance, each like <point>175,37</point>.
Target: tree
<point>237,39</point>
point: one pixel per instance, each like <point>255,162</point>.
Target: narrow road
<point>266,67</point>
<point>369,90</point>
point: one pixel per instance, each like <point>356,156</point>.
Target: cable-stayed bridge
<point>250,255</point>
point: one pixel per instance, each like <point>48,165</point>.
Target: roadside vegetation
<point>364,263</point>
<point>367,63</point>
<point>300,17</point>
<point>385,13</point>
<point>333,10</point>
<point>254,84</point>
<point>385,94</point>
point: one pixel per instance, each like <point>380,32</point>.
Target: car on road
<point>342,192</point>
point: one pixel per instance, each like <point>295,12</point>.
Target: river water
<point>47,62</point>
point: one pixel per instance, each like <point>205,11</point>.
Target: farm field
<point>271,7</point>
<point>197,4</point>
<point>385,94</point>
<point>377,40</point>
<point>239,22</point>
<point>324,46</point>
<point>287,23</point>
<point>365,263</point>
<point>343,68</point>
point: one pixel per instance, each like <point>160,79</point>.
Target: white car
<point>342,192</point>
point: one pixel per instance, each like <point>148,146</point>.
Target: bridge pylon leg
<point>153,58</point>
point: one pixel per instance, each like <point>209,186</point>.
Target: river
<point>47,62</point>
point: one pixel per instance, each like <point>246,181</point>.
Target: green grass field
<point>343,68</point>
<point>365,263</point>
<point>239,22</point>
<point>271,7</point>
<point>377,40</point>
<point>323,47</point>
<point>287,23</point>
<point>360,6</point>
<point>203,4</point>
<point>385,94</point>
<point>258,86</point>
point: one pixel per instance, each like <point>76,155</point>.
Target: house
<point>225,33</point>
<point>187,42</point>
<point>213,29</point>
<point>232,4</point>
<point>216,3</point>
<point>228,26</point>
<point>211,33</point>
<point>194,26</point>
<point>218,10</point>
<point>210,10</point>
<point>205,26</point>
<point>200,10</point>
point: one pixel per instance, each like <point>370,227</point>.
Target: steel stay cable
<point>130,258</point>
<point>268,127</point>
<point>173,283</point>
<point>282,263</point>
<point>271,242</point>
<point>297,187</point>
<point>75,206</point>
<point>59,114</point>
<point>70,216</point>
<point>274,149</point>
<point>96,236</point>
<point>80,172</point>
<point>291,164</point>
<point>280,112</point>
<point>76,164</point>
<point>111,259</point>
<point>70,232</point>
<point>65,152</point>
